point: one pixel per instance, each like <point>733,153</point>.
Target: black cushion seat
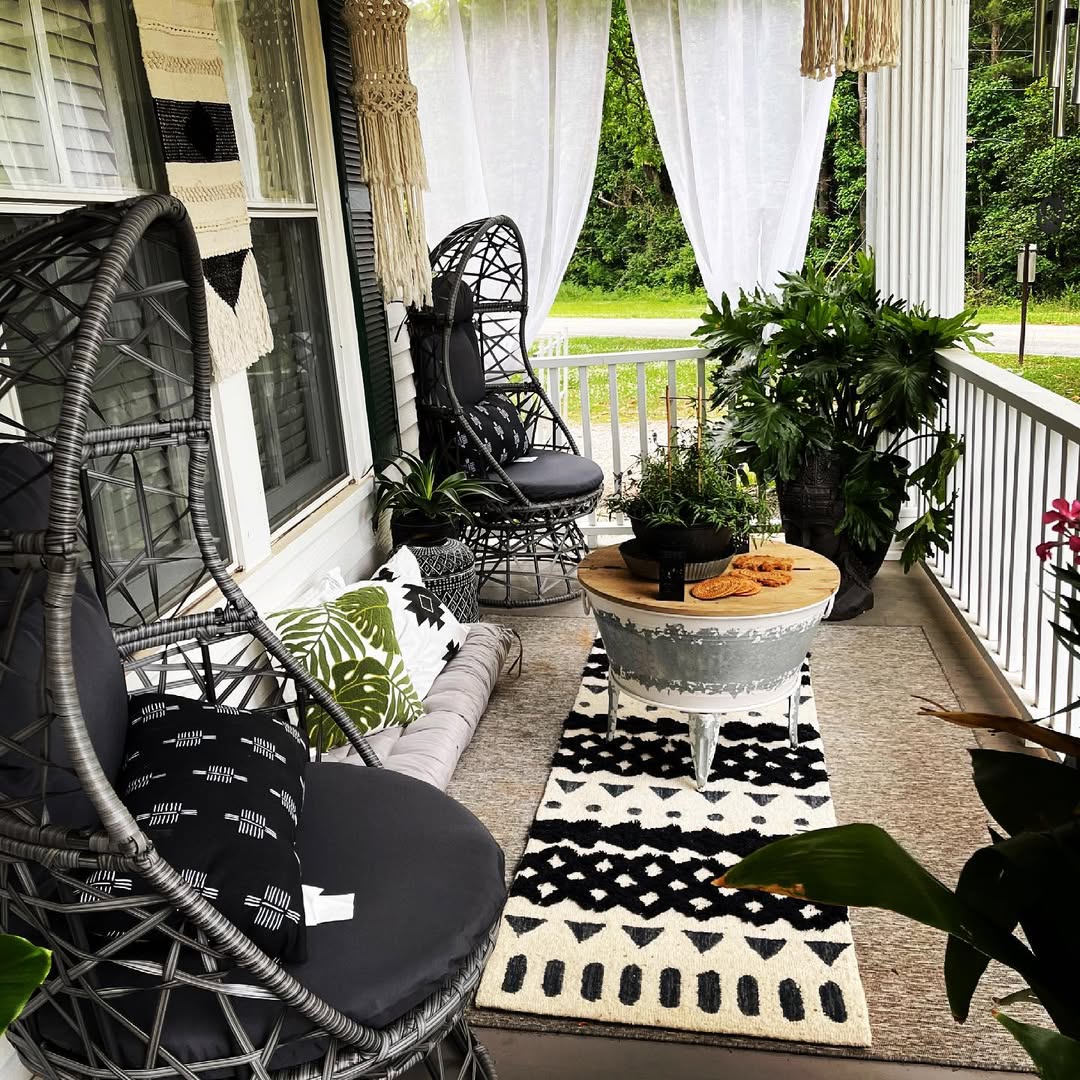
<point>553,475</point>
<point>429,885</point>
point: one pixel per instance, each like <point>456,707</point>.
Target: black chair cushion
<point>553,475</point>
<point>497,424</point>
<point>99,677</point>
<point>219,791</point>
<point>428,882</point>
<point>99,674</point>
<point>466,365</point>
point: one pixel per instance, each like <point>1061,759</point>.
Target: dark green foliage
<point>633,236</point>
<point>1013,165</point>
<point>828,367</point>
<point>690,485</point>
<point>838,225</point>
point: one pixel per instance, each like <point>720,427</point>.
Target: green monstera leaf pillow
<point>350,646</point>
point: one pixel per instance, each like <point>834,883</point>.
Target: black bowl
<point>699,543</point>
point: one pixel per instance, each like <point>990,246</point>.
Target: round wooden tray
<point>604,573</point>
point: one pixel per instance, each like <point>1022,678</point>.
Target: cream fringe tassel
<point>393,153</point>
<point>849,35</point>
<point>239,335</point>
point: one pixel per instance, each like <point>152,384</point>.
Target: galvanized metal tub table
<point>708,657</point>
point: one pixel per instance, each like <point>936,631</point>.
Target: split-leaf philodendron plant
<point>828,368</point>
<point>1027,878</point>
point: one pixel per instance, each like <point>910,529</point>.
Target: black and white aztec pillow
<point>428,632</point>
<point>219,790</point>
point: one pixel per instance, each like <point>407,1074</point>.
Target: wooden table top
<point>604,573</point>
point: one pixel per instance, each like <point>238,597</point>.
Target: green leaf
<point>374,695</point>
<point>862,866</point>
<point>368,609</point>
<point>23,968</point>
<point>1055,1056</point>
<point>1025,792</point>
<point>979,885</point>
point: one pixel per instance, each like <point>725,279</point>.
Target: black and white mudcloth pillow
<point>498,425</point>
<point>219,790</point>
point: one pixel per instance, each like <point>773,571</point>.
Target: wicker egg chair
<point>93,306</point>
<point>468,346</point>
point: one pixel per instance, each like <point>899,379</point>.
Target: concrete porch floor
<point>901,600</point>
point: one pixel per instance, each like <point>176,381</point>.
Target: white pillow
<point>428,633</point>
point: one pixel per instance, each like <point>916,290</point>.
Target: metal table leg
<point>704,734</point>
<point>612,709</point>
<point>793,714</point>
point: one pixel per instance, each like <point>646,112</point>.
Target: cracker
<point>772,579</point>
<point>762,562</point>
<point>717,588</point>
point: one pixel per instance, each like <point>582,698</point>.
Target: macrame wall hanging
<point>849,35</point>
<point>186,75</point>
<point>393,154</point>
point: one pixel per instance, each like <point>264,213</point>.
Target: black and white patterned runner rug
<point>612,915</point>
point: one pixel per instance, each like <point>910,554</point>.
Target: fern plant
<point>828,368</point>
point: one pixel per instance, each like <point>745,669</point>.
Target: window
<point>76,126</point>
<point>293,389</point>
<point>71,114</point>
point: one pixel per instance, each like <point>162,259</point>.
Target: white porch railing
<point>615,443</point>
<point>1022,451</point>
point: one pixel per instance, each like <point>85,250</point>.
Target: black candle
<point>672,575</point>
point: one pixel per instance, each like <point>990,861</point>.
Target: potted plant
<point>823,388</point>
<point>424,508</point>
<point>1025,879</point>
<point>690,497</point>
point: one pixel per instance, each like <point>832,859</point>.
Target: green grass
<point>577,301</point>
<point>1058,373</point>
<point>1047,313</point>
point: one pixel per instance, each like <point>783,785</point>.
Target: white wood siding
<point>916,154</point>
<point>404,384</point>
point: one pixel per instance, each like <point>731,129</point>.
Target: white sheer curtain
<point>741,131</point>
<point>511,95</point>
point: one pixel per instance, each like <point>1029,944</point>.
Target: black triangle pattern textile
<point>613,914</point>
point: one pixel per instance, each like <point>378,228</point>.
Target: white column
<point>916,152</point>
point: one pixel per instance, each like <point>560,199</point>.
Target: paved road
<point>1041,340</point>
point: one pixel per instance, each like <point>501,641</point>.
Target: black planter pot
<point>699,543</point>
<point>811,507</point>
<point>421,531</point>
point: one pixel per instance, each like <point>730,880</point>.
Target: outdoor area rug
<point>612,915</point>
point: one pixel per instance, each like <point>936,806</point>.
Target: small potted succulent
<point>689,497</point>
<point>424,508</point>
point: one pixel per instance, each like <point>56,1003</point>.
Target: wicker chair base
<point>529,562</point>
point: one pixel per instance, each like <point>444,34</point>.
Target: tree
<point>633,235</point>
<point>838,225</point>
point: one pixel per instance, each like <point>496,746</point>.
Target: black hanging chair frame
<point>527,551</point>
<point>82,268</point>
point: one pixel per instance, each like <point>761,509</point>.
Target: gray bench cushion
<point>429,748</point>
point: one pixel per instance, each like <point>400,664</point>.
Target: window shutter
<point>370,311</point>
<point>26,155</point>
<point>79,79</point>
